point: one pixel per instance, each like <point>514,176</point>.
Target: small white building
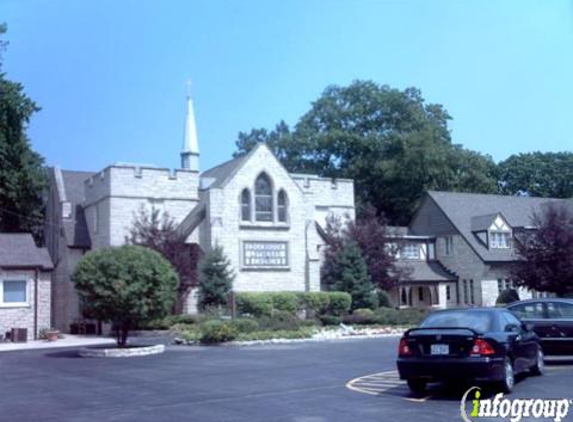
<point>264,217</point>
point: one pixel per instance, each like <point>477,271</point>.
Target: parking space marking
<point>383,383</point>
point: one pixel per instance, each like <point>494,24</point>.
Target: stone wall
<point>226,228</point>
<point>118,193</point>
<point>23,316</point>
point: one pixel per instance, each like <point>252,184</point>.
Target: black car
<point>552,320</point>
<point>480,344</point>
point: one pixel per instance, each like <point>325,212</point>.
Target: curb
<point>87,352</point>
<point>311,340</point>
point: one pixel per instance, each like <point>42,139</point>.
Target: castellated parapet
<point>115,195</point>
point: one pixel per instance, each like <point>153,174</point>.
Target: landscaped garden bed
<point>289,317</point>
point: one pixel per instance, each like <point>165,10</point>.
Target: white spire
<point>190,151</point>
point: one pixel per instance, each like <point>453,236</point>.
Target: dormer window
<point>499,240</point>
<point>499,234</point>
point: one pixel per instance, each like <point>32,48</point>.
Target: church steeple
<point>190,150</point>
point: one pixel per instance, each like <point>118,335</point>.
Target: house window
<point>449,241</point>
<point>263,198</point>
<point>448,293</point>
<point>472,293</point>
<point>504,284</point>
<point>282,206</point>
<point>421,294</point>
<point>411,251</point>
<point>14,292</point>
<point>246,205</point>
<point>499,240</point>
<point>465,286</point>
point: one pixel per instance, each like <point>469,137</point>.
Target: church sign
<point>265,254</point>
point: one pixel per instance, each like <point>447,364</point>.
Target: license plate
<point>439,349</point>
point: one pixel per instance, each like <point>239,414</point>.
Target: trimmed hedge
<point>169,321</point>
<point>340,303</point>
<point>386,316</point>
<point>266,304</point>
<point>255,304</point>
<point>215,331</point>
<point>285,302</point>
<point>315,302</point>
<point>329,320</point>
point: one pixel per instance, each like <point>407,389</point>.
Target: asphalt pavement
<point>304,382</point>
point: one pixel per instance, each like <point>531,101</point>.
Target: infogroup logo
<point>514,410</point>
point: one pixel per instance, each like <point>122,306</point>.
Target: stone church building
<point>266,219</point>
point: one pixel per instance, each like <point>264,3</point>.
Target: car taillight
<point>482,348</point>
<point>404,349</point>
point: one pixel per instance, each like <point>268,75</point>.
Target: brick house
<point>460,248</point>
<point>264,217</point>
<point>25,284</point>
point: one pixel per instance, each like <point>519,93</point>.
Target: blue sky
<point>110,75</point>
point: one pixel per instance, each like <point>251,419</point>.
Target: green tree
<point>159,232</point>
<point>546,174</point>
<point>126,285</point>
<point>215,279</point>
<point>349,273</point>
<point>22,176</point>
<point>393,144</point>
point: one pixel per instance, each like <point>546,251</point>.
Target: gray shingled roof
<point>221,172</point>
<point>75,228</point>
<point>463,208</point>
<point>483,222</point>
<point>18,250</point>
<point>425,271</point>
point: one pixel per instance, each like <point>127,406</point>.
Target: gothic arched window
<point>246,205</point>
<point>282,203</point>
<point>263,198</point>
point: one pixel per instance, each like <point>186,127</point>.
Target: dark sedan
<point>552,320</point>
<point>481,344</point>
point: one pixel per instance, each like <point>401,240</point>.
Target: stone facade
<point>24,316</point>
<point>208,207</point>
<point>459,225</point>
<point>114,196</point>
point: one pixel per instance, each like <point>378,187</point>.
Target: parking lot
<point>351,380</point>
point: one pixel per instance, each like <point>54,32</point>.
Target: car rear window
<point>478,321</point>
<point>559,310</point>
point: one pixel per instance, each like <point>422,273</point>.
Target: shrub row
<point>386,316</point>
<point>218,331</point>
<point>169,321</point>
<point>318,303</point>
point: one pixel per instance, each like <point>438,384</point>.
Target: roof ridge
<point>497,195</point>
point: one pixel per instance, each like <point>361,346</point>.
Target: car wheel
<point>506,385</point>
<point>417,386</point>
<point>539,367</point>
